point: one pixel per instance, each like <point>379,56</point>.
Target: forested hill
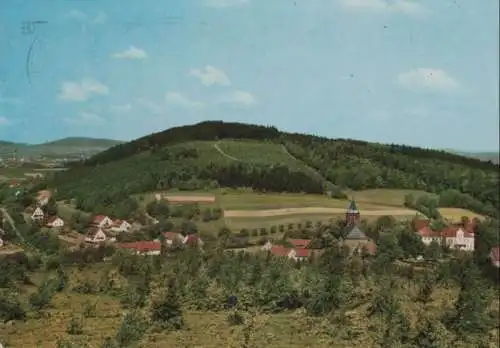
<point>216,130</point>
<point>212,154</point>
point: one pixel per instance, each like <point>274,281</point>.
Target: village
<point>105,230</point>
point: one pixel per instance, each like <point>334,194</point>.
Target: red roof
<point>118,223</point>
<point>419,224</point>
<point>99,218</point>
<point>428,232</point>
<point>52,219</point>
<point>142,246</point>
<point>192,239</point>
<point>300,243</point>
<point>278,250</point>
<point>451,232</point>
<point>300,252</point>
<point>371,248</point>
<point>495,254</point>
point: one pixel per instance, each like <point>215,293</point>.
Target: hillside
<point>67,146</point>
<point>217,154</point>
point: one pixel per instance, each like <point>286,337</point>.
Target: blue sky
<point>416,72</point>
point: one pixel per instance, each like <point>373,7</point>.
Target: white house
<point>458,238</point>
<point>120,226</point>
<point>55,222</point>
<point>95,235</point>
<point>428,235</point>
<point>293,254</point>
<point>1,242</point>
<point>38,214</point>
<point>173,237</point>
<point>43,197</point>
<point>267,246</point>
<point>102,221</point>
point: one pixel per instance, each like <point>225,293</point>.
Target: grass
<point>259,153</point>
<point>455,214</point>
<point>386,197</point>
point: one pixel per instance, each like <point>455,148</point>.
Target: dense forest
<point>168,159</point>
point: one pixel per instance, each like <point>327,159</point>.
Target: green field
<point>257,203</point>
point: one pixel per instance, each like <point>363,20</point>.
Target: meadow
<point>246,209</point>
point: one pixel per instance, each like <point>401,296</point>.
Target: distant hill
<point>483,156</point>
<point>220,154</point>
<point>72,146</point>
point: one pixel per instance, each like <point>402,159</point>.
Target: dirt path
<point>216,146</point>
<point>310,210</point>
<point>190,199</point>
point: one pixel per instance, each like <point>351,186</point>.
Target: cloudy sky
<point>416,72</point>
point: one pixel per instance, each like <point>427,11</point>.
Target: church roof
<point>356,234</point>
<point>352,208</point>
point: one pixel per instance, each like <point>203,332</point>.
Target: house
<point>428,235</point>
<point>293,254</point>
<point>43,197</point>
<point>143,247</point>
<point>193,240</point>
<point>267,246</point>
<point>495,256</point>
<point>300,243</point>
<point>1,242</point>
<point>173,238</point>
<point>299,254</point>
<point>38,214</point>
<point>120,226</point>
<point>55,222</point>
<point>95,235</point>
<point>102,221</point>
<point>457,237</point>
<point>354,237</point>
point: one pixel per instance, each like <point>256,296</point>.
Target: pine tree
<point>166,312</point>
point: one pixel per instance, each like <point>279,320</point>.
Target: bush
<point>75,326</point>
<point>133,327</point>
<point>235,318</point>
<point>89,309</point>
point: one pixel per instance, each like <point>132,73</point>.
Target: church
<point>354,236</point>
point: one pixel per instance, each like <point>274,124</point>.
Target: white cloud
<point>384,6</point>
<point>81,91</point>
<point>243,98</point>
<point>428,79</point>
<point>85,118</point>
<point>225,3</point>
<point>131,53</point>
<point>101,18</point>
<point>4,121</point>
<point>124,108</point>
<point>151,106</point>
<point>76,14</point>
<point>178,99</point>
<point>210,75</point>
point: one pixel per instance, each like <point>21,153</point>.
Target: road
<point>6,214</point>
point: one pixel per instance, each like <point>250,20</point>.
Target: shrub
<point>75,326</point>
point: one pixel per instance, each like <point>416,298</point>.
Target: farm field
<point>246,209</point>
<point>455,214</point>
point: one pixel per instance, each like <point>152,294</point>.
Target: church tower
<point>352,215</point>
